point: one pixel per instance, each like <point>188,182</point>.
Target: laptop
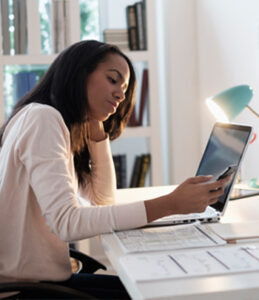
<point>225,148</point>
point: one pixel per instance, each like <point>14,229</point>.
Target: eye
<point>112,80</point>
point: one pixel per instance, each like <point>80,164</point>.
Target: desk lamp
<point>228,104</point>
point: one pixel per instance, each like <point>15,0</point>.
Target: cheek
<point>97,88</point>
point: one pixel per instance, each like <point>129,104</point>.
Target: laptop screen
<point>226,146</point>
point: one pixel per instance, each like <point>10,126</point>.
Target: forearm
<point>158,208</point>
<point>101,182</point>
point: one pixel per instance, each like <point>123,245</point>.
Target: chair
<point>41,290</point>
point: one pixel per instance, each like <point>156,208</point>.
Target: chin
<point>106,117</point>
<point>101,118</point>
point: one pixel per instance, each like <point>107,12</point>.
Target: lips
<point>114,104</point>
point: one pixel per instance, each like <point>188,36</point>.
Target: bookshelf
<point>151,131</point>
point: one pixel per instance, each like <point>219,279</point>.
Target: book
<point>23,83</point>
<point>136,171</point>
<point>143,96</point>
<point>115,35</point>
<point>118,37</point>
<point>133,118</point>
<point>138,120</point>
<point>144,16</point>
<point>120,170</point>
<point>117,169</point>
<point>5,27</point>
<point>141,34</point>
<point>123,170</point>
<point>140,169</point>
<point>132,27</point>
<point>32,79</point>
<point>145,163</point>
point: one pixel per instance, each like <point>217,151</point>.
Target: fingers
<point>219,184</point>
<point>213,201</point>
<point>226,180</point>
<point>214,185</point>
<point>214,196</point>
<point>199,179</point>
<point>196,193</point>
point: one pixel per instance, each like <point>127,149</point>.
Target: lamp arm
<point>252,111</point>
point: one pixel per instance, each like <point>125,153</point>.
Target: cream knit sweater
<point>39,209</point>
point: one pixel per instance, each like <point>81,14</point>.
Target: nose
<point>119,95</point>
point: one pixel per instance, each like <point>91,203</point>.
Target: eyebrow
<point>119,73</point>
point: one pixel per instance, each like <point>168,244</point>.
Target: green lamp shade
<point>228,104</point>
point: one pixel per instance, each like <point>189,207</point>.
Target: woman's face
<point>106,87</point>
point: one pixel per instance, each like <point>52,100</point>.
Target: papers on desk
<point>190,263</point>
<point>168,238</point>
<point>232,232</point>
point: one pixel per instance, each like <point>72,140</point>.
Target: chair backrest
<point>38,290</point>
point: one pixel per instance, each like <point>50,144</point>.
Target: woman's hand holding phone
<point>192,196</point>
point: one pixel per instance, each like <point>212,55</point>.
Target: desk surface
<point>235,286</point>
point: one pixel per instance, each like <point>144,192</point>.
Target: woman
<point>56,145</point>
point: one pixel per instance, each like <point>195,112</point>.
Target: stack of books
<point>136,22</point>
<point>140,170</point>
<point>118,37</point>
<point>24,81</point>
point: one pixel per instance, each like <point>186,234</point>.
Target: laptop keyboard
<point>210,212</point>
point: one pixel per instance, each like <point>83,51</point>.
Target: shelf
<point>138,55</point>
<point>24,59</point>
<point>48,58</point>
<point>141,131</point>
<point>149,136</point>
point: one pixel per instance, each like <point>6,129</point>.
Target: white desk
<point>235,286</point>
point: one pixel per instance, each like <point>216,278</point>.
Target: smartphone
<point>229,171</point>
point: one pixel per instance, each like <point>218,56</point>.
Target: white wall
<point>209,45</point>
<point>182,87</point>
<point>228,52</point>
<point>113,13</point>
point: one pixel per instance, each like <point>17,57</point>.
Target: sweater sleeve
<point>101,183</point>
<point>44,149</point>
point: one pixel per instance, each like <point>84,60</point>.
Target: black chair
<point>42,290</point>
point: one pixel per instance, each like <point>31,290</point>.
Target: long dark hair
<point>63,87</point>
